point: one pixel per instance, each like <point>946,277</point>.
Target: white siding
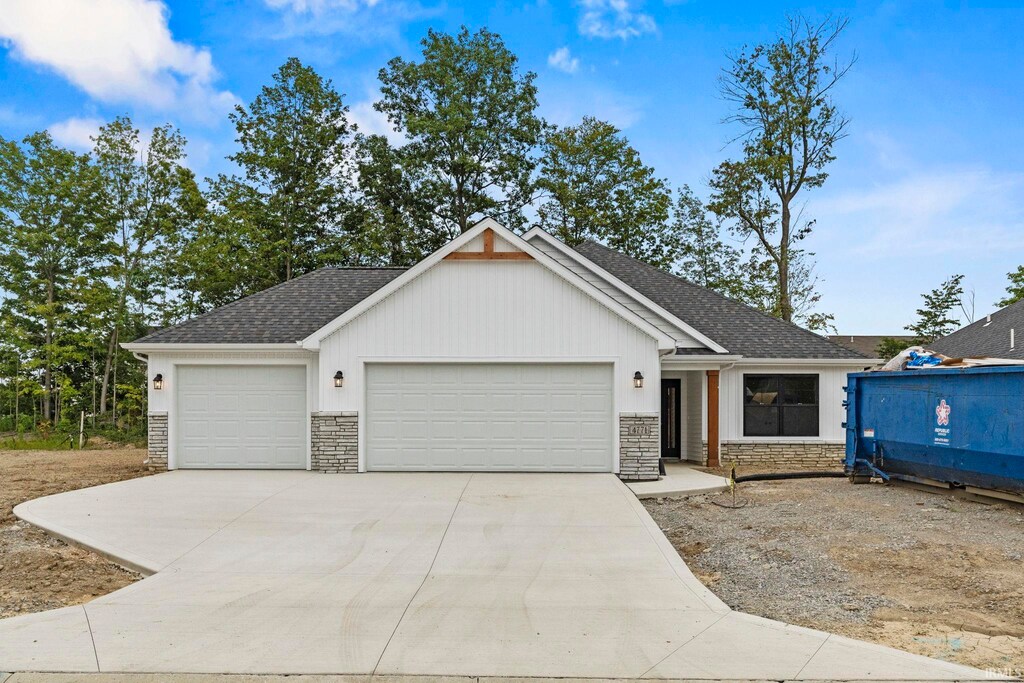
<point>489,311</point>
<point>831,414</point>
<point>683,340</point>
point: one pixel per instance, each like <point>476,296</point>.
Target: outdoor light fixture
<point>638,380</point>
<point>339,379</point>
<point>158,381</point>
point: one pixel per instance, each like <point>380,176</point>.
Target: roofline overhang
<point>144,347</point>
<point>856,362</point>
<point>312,342</point>
<point>624,288</point>
<point>705,359</point>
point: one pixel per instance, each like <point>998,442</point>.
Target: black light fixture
<point>158,381</point>
<point>638,380</point>
<point>339,379</point>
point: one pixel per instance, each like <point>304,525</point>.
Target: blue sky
<point>929,182</point>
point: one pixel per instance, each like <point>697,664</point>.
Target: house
<point>996,336</point>
<point>498,352</point>
<point>867,344</point>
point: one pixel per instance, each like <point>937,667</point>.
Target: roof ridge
<point>748,307</point>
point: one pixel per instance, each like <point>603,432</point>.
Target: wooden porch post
<point>712,418</point>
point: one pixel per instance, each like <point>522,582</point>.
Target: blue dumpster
<point>963,426</point>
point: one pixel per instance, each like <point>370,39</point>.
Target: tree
<point>287,212</point>
<point>1014,290</point>
<point>470,119</point>
<point>789,125</point>
<point>935,318</point>
<point>147,198</point>
<point>708,261</point>
<point>49,243</point>
<point>597,187</point>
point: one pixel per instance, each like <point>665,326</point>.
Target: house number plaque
<point>639,430</point>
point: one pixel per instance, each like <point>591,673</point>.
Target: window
<point>780,405</point>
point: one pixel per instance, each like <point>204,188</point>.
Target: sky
<point>929,182</point>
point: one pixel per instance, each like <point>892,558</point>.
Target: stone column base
<point>335,441</point>
<point>157,442</point>
<point>639,446</point>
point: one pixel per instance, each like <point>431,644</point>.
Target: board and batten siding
<point>683,340</point>
<point>489,311</point>
<point>831,414</point>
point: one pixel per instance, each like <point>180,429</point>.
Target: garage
<point>531,417</point>
<point>241,416</point>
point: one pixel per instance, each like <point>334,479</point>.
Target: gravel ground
<point>37,571</point>
<point>928,573</point>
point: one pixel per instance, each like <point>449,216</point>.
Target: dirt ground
<point>37,571</point>
<point>927,573</point>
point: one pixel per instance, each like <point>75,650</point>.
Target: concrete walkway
<point>681,479</point>
<point>423,574</point>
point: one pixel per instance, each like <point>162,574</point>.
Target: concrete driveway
<point>437,574</point>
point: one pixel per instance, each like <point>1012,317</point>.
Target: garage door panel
<point>241,417</point>
<point>534,417</point>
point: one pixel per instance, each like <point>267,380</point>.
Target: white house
<point>498,352</point>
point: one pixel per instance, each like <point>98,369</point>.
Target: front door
<point>670,390</point>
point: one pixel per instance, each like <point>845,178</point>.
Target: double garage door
<point>497,417</point>
<point>418,417</point>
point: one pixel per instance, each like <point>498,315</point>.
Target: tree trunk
<point>105,384</point>
<point>48,369</point>
<point>785,305</point>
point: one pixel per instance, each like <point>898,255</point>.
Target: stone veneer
<point>335,441</point>
<point>639,446</point>
<point>796,455</point>
<point>157,442</point>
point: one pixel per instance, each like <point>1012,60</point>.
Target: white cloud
<point>76,132</point>
<point>945,211</point>
<point>361,19</point>
<point>116,51</point>
<point>613,19</point>
<point>563,60</point>
<point>318,7</point>
<point>369,121</point>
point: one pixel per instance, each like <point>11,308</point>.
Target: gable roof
<point>282,314</point>
<point>989,336</point>
<point>739,328</point>
<point>312,341</point>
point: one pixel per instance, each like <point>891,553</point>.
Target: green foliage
<point>781,93</point>
<point>935,318</point>
<point>890,348</point>
<point>596,187</point>
<point>470,119</point>
<point>1015,289</point>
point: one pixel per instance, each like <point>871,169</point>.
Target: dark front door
<point>670,418</point>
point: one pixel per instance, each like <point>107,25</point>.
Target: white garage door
<point>503,417</point>
<point>241,416</point>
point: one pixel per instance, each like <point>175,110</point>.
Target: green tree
<point>597,187</point>
<point>935,319</point>
<point>890,348</point>
<point>50,242</point>
<point>396,226</point>
<point>472,128</point>
<point>286,214</point>
<point>707,260</point>
<point>1015,289</point>
<point>147,198</point>
<point>789,125</point>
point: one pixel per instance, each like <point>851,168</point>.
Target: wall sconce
<point>638,380</point>
<point>158,381</point>
<point>339,379</point>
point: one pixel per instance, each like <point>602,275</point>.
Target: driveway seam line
<point>681,645</point>
<point>425,576</point>
<point>811,658</point>
<point>229,523</point>
<point>92,638</point>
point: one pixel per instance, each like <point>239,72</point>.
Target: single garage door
<point>241,416</point>
<point>502,417</point>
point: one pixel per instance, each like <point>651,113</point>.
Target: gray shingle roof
<point>867,344</point>
<point>282,314</point>
<point>987,338</point>
<point>738,327</point>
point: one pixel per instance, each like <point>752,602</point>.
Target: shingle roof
<point>738,327</point>
<point>987,337</point>
<point>282,314</point>
<point>867,344</point>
